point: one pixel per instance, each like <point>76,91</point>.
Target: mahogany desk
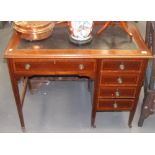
<point>115,64</point>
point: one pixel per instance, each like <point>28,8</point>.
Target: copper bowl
<point>34,30</point>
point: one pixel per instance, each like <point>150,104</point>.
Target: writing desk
<point>114,63</point>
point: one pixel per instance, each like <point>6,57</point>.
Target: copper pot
<point>34,30</point>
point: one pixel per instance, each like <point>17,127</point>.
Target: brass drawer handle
<point>81,66</point>
<point>27,66</point>
<point>120,80</point>
<point>117,93</point>
<point>122,66</point>
<point>115,105</point>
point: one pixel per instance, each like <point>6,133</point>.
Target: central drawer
<point>72,66</point>
<point>117,92</point>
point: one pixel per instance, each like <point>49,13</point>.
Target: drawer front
<point>119,79</point>
<point>117,92</point>
<point>115,104</point>
<point>54,67</point>
<point>121,65</point>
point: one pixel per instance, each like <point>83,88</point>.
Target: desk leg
<point>132,113</point>
<point>95,88</point>
<point>15,89</point>
<point>93,114</point>
<point>131,118</point>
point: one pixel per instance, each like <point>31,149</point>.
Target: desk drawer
<point>119,79</point>
<point>54,66</point>
<point>117,92</point>
<point>115,104</point>
<point>121,65</point>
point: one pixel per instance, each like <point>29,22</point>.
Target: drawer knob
<point>115,105</point>
<point>119,80</point>
<point>122,66</point>
<point>117,93</point>
<point>81,66</point>
<point>27,66</point>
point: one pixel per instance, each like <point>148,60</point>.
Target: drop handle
<point>122,66</point>
<point>81,66</point>
<point>119,80</point>
<point>115,105</point>
<point>27,66</point>
<point>117,93</point>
